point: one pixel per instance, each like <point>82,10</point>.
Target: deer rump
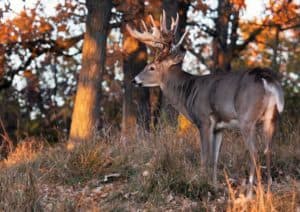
<point>230,98</point>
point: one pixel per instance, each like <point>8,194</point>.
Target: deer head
<point>167,50</point>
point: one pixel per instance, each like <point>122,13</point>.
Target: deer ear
<point>176,59</point>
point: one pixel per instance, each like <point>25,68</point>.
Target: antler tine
<point>152,21</point>
<point>156,33</point>
<point>160,21</point>
<point>163,23</point>
<point>144,25</point>
<point>175,47</point>
<point>133,32</point>
<point>146,37</point>
<point>174,24</point>
<point>138,35</point>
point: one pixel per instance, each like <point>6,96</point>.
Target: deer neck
<point>176,86</point>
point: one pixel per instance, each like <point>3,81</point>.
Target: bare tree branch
<point>56,46</point>
<point>289,27</point>
<point>115,25</point>
<point>250,39</point>
<point>198,56</point>
<point>204,28</point>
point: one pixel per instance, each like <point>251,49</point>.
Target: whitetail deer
<point>216,101</point>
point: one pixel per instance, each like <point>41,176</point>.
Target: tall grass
<point>18,190</point>
<point>159,171</point>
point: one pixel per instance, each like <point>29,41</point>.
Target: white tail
<point>277,93</point>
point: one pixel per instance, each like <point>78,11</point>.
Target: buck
<point>213,102</point>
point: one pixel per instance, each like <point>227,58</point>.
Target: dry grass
<point>158,172</point>
<point>264,200</point>
<point>170,165</point>
<point>18,190</point>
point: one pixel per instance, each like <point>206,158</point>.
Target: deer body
<point>216,101</point>
<point>225,97</point>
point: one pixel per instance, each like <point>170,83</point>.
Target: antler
<point>152,39</point>
<point>162,38</point>
<point>174,24</point>
<point>177,45</point>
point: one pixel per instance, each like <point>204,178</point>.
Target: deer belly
<point>233,123</point>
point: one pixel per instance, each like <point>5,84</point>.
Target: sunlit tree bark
<point>85,118</point>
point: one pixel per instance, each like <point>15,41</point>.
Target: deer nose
<point>133,81</point>
<point>136,83</point>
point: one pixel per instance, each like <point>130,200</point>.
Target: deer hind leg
<point>217,141</point>
<point>249,138</point>
<point>269,125</point>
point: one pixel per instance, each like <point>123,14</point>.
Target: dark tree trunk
<point>2,61</point>
<point>221,57</point>
<point>136,105</point>
<point>275,64</point>
<point>143,109</point>
<point>222,53</point>
<point>225,35</point>
<point>172,7</point>
<point>85,118</point>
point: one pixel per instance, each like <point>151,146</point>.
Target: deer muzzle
<point>136,82</point>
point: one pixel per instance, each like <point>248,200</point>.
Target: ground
<point>159,172</point>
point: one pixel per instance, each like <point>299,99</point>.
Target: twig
<point>6,137</point>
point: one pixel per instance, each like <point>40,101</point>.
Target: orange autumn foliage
<point>185,126</point>
<point>238,4</point>
<point>25,26</point>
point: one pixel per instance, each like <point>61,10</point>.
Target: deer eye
<point>152,68</point>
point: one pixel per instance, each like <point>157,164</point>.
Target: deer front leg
<point>206,136</point>
<point>204,151</point>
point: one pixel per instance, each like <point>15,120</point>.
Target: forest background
<point>66,66</point>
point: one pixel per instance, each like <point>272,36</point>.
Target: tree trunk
<point>275,47</point>
<point>136,105</point>
<point>222,53</point>
<point>221,57</point>
<point>143,108</point>
<point>85,118</point>
<point>2,61</point>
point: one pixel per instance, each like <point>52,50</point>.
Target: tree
<point>43,54</point>
<point>85,118</point>
<point>227,33</point>
<point>136,107</point>
<point>35,62</point>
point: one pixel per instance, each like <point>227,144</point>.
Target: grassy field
<point>159,172</point>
